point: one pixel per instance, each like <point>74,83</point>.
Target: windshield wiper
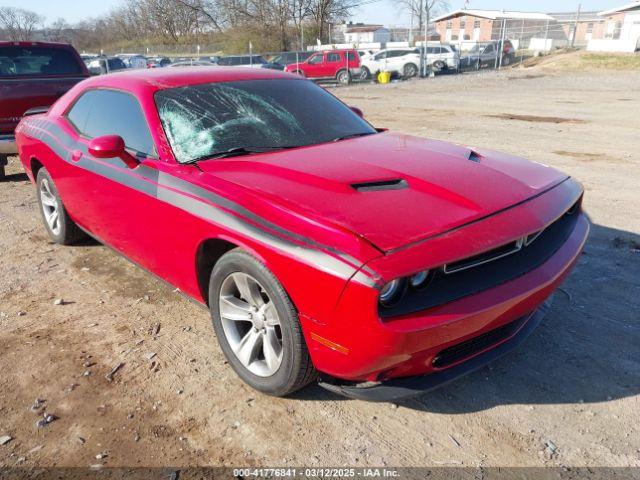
<point>352,135</point>
<point>240,151</point>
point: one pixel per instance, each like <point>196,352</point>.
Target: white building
<point>356,34</point>
<point>621,30</point>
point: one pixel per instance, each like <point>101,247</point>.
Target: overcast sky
<point>384,11</point>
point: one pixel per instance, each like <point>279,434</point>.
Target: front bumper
<point>8,144</point>
<point>355,345</point>
<point>400,388</point>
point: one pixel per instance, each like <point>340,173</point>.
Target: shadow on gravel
<point>586,349</point>
<point>15,177</point>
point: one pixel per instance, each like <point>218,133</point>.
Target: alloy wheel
<point>343,77</point>
<point>50,207</point>
<point>251,324</point>
<point>410,71</point>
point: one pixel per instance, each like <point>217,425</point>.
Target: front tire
<point>4,160</point>
<point>410,70</point>
<point>59,226</point>
<point>257,326</point>
<point>365,74</point>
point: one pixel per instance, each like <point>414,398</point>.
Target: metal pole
<point>546,36</point>
<point>575,26</point>
<point>520,42</point>
<point>501,44</point>
<point>426,30</point>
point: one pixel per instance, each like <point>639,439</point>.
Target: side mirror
<point>357,111</point>
<point>110,146</point>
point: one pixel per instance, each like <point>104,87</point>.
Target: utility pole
<point>411,30</point>
<point>575,26</point>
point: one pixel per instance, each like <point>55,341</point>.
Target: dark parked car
<point>250,61</point>
<point>281,60</point>
<point>32,74</point>
<point>158,62</point>
<point>488,55</point>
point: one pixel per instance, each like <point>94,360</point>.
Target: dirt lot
<point>575,383</point>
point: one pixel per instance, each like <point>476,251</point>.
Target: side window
<point>489,49</point>
<point>333,57</point>
<point>351,56</point>
<point>315,59</point>
<point>108,112</point>
<point>80,111</point>
<point>381,56</point>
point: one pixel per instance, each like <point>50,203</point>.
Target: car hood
<point>390,189</point>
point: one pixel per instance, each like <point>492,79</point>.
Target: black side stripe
<point>206,205</point>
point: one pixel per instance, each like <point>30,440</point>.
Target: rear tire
<point>439,66</point>
<point>59,226</point>
<point>365,74</point>
<point>264,311</point>
<point>343,77</point>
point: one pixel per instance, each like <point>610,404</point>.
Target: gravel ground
<point>569,396</point>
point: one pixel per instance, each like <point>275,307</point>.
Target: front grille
<point>488,270</point>
<point>463,350</point>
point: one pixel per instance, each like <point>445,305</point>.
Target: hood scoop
<point>379,185</point>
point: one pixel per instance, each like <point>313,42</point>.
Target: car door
<point>488,54</point>
<point>377,63</point>
<point>99,194</point>
<point>334,61</point>
<point>313,67</point>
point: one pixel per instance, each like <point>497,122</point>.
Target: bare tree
<point>19,24</point>
<point>328,12</point>
<point>422,10</point>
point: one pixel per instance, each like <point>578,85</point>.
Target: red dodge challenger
<point>381,264</point>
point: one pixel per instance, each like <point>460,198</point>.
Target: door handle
<point>76,155</point>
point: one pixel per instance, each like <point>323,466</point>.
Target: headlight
<point>392,292</point>
<point>419,280</point>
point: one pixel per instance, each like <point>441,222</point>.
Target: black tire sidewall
<point>284,380</point>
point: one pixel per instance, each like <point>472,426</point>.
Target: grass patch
<point>611,61</point>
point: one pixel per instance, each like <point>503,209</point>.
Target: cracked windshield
<point>221,119</point>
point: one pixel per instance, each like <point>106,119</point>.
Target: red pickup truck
<point>340,65</point>
<point>32,75</point>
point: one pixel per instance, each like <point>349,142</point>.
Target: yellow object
<point>384,77</point>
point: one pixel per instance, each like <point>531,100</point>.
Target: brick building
<point>587,25</point>
<point>467,25</point>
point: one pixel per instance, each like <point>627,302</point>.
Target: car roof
<point>159,79</point>
<point>35,44</point>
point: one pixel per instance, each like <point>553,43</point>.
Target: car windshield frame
<point>267,118</point>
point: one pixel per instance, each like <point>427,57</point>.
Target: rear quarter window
<point>20,61</point>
